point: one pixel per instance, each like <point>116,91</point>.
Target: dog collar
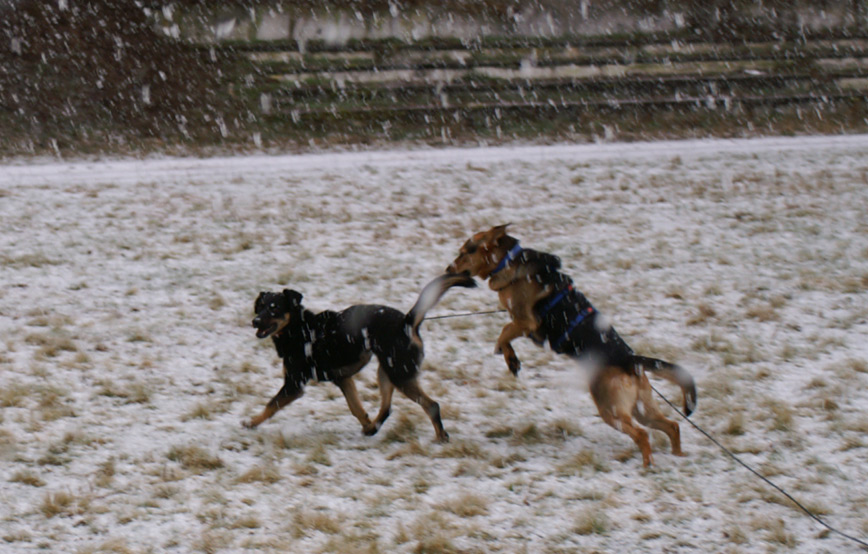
<point>511,255</point>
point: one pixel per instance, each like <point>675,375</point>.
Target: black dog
<point>334,346</point>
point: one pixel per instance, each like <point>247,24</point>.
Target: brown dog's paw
<point>443,438</point>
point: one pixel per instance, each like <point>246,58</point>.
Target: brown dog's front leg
<point>283,398</point>
<point>510,331</point>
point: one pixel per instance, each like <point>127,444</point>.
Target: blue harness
<point>573,324</point>
<point>576,320</point>
<point>513,254</point>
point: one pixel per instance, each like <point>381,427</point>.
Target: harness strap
<point>554,301</point>
<point>309,337</point>
<point>573,324</point>
<point>511,255</point>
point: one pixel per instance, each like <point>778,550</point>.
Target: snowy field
<point>128,361</point>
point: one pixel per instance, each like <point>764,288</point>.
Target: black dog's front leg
<point>287,395</point>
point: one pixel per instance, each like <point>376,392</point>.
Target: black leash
<point>814,516</point>
<point>465,314</point>
<point>801,506</point>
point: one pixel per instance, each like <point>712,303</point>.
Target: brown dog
<point>545,306</point>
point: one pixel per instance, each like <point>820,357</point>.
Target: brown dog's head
<point>482,252</point>
<point>274,311</point>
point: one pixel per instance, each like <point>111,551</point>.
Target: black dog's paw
<point>514,365</point>
<point>370,430</point>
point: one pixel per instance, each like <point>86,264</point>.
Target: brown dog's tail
<point>431,294</point>
<point>674,374</point>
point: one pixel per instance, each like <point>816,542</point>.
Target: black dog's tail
<point>431,294</point>
<point>674,374</point>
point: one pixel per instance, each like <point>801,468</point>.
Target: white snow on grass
<point>128,361</point>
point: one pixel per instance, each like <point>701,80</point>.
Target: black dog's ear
<point>293,296</point>
<point>257,304</point>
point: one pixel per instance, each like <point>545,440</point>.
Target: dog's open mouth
<point>266,331</point>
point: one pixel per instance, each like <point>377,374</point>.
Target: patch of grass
<point>319,455</point>
<point>591,522</point>
<point>735,424</point>
<point>194,458</point>
<point>267,473</point>
<point>402,429</point>
<point>776,531</point>
<point>467,505</point>
<point>51,344</point>
<point>782,416</point>
<point>586,459</point>
<point>57,503</point>
<point>165,492</point>
<point>213,541</point>
<point>704,314</point>
<point>246,522</point>
<point>462,449</point>
<point>203,410</point>
<point>110,546</point>
<point>14,394</point>
<point>307,520</point>
<point>27,477</point>
<point>409,448</point>
<point>134,392</point>
<point>105,473</point>
<point>52,406</point>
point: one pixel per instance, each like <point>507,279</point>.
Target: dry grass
<point>306,521</point>
<point>587,459</point>
<point>529,460</point>
<point>591,521</point>
<point>267,473</point>
<point>466,505</point>
<point>27,477</point>
<point>194,458</point>
<point>135,392</point>
<point>58,503</point>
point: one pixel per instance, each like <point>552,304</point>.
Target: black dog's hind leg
<point>415,393</point>
<point>285,396</point>
<point>386,390</point>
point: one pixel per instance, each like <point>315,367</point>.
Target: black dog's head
<point>274,311</point>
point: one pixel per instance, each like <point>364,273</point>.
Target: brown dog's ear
<point>499,231</point>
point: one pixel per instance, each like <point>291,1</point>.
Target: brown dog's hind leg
<point>415,393</point>
<point>615,394</point>
<point>348,387</point>
<point>648,413</point>
<point>283,398</point>
<point>624,423</point>
<point>386,390</point>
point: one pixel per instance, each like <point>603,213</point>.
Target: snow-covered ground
<point>128,359</point>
